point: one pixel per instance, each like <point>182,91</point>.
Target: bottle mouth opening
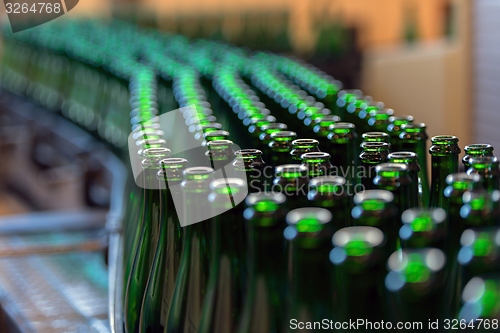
<point>308,219</point>
<point>265,197</point>
<point>478,146</point>
<point>248,153</point>
<point>399,120</point>
<point>411,261</point>
<point>198,173</point>
<point>315,155</point>
<point>305,143</point>
<point>444,139</point>
<point>423,216</point>
<point>360,239</point>
<point>375,135</point>
<point>463,178</point>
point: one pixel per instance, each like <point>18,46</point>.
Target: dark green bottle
<point>395,177</point>
<point>479,252</point>
<point>375,208</point>
<point>317,163</point>
<point>141,258</point>
<point>476,150</point>
<point>411,161</point>
<point>191,283</point>
<point>280,147</point>
<point>378,120</point>
<point>489,169</point>
<point>395,129</point>
<point>291,180</point>
<point>423,227</point>
<point>250,162</point>
<point>310,232</point>
<point>161,281</point>
<point>226,286</point>
<point>264,305</point>
<point>480,208</point>
<point>481,298</point>
<point>444,157</point>
<point>415,283</point>
<point>330,192</point>
<point>267,130</point>
<point>302,146</point>
<point>344,152</point>
<point>321,128</point>
<point>219,153</point>
<point>414,139</point>
<point>458,184</point>
<point>358,257</point>
<point>372,154</point>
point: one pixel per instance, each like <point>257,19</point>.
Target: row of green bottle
<point>342,221</point>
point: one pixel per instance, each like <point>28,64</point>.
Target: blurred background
<point>433,59</point>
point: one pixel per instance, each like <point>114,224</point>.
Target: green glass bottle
<point>375,208</point>
<point>414,139</point>
<point>280,147</point>
<point>479,253</point>
<point>302,146</point>
<point>321,128</point>
<point>394,177</point>
<point>317,163</point>
<point>480,208</point>
<point>358,256</point>
<point>395,128</point>
<point>372,154</point>
<point>145,239</point>
<point>330,192</point>
<point>415,283</point>
<point>219,153</point>
<point>191,283</point>
<point>476,150</point>
<point>489,169</point>
<point>344,151</point>
<point>251,163</point>
<point>423,227</point>
<point>264,309</point>
<point>161,281</point>
<point>444,152</point>
<point>226,286</point>
<point>411,161</point>
<point>215,135</point>
<point>309,233</point>
<point>291,180</point>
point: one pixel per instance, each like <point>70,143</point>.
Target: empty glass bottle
<point>190,286</point>
<point>414,139</point>
<point>444,152</point>
<point>264,306</point>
